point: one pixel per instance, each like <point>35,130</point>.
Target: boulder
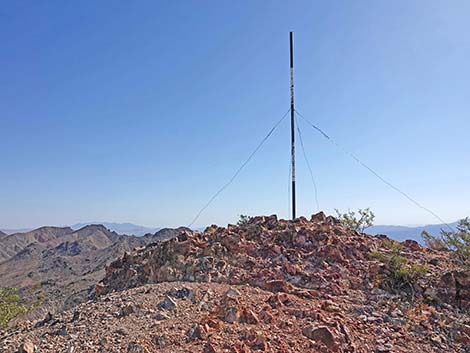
<point>196,332</point>
<point>454,288</point>
<point>27,347</point>
<point>321,334</point>
<point>168,303</point>
<point>136,348</point>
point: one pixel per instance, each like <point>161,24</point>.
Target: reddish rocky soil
<point>269,285</point>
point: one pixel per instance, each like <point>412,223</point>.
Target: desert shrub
<point>375,255</point>
<point>457,241</point>
<point>11,306</point>
<point>400,275</point>
<point>360,222</point>
<point>243,220</point>
<point>392,245</point>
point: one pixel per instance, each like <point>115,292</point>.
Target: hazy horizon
<point>178,225</point>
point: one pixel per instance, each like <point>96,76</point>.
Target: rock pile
<point>312,259</point>
<point>270,286</point>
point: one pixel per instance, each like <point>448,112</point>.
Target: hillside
<point>14,243</point>
<point>58,267</point>
<point>268,285</point>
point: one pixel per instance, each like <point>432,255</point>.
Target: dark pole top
<point>291,35</point>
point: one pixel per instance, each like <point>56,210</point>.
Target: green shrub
<point>400,274</point>
<point>243,220</point>
<point>375,255</point>
<point>392,245</point>
<point>360,222</point>
<point>457,241</point>
<point>10,306</point>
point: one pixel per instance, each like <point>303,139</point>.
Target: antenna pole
<point>292,120</point>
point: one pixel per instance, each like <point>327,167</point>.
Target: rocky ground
<point>269,285</point>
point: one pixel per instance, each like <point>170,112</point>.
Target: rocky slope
<point>56,268</point>
<point>269,285</point>
<point>12,244</point>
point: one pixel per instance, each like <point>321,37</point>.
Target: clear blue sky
<point>139,111</point>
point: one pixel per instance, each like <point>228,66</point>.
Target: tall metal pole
<point>292,120</point>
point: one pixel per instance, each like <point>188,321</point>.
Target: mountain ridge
<point>121,228</point>
<point>401,233</point>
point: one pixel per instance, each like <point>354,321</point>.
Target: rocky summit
<point>267,285</point>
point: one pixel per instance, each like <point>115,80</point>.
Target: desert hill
<point>14,243</point>
<point>56,268</point>
<point>268,285</point>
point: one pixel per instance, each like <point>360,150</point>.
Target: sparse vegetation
<point>400,274</point>
<point>360,222</point>
<point>392,245</point>
<point>457,241</point>
<point>11,306</point>
<point>40,296</point>
<point>243,220</point>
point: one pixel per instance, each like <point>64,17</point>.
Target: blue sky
<point>140,111</point>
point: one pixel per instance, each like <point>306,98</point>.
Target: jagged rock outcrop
<point>312,258</point>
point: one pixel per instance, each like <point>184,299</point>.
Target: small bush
<point>360,222</point>
<point>10,306</point>
<point>375,255</point>
<point>392,245</point>
<point>243,220</point>
<point>457,241</point>
<point>400,275</point>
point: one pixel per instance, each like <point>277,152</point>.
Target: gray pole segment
<point>292,120</point>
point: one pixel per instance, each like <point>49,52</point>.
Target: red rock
<point>27,347</point>
<point>241,347</point>
<point>291,269</point>
<point>321,334</point>
<point>265,315</point>
<point>277,286</point>
<point>100,289</point>
<point>136,348</point>
<point>454,288</point>
<point>196,332</point>
<point>412,245</point>
<point>259,343</point>
<point>318,218</point>
<point>249,317</point>
<point>209,348</point>
<point>229,309</point>
<point>211,323</point>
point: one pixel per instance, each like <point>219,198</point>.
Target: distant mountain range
<point>401,233</point>
<point>120,228</point>
<point>15,230</point>
<point>62,264</point>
